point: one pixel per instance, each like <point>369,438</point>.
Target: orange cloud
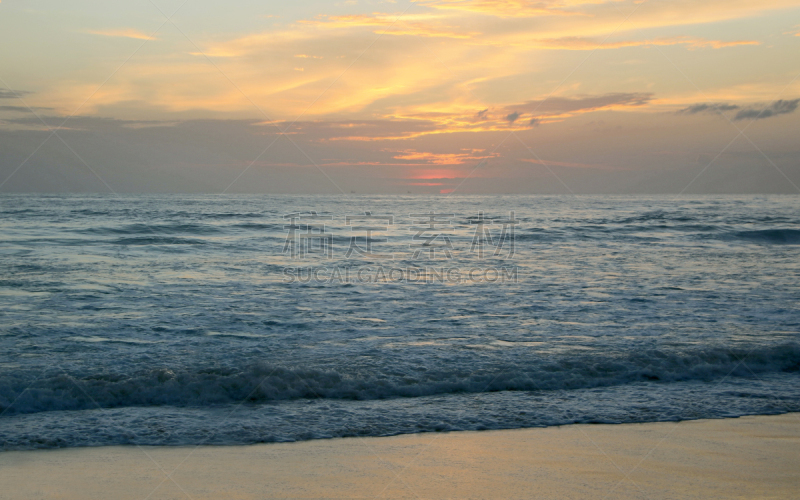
<point>440,158</point>
<point>445,123</point>
<point>392,25</point>
<point>435,174</point>
<point>485,58</point>
<point>503,8</point>
<point>579,43</point>
<point>516,117</point>
<point>123,33</point>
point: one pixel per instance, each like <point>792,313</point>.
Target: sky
<point>397,96</point>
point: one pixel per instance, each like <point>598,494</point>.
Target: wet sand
<point>748,457</point>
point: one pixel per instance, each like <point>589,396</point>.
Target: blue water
<point>180,319</point>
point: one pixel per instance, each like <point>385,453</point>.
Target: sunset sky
<point>427,96</point>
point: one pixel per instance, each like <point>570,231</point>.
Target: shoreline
<point>745,457</point>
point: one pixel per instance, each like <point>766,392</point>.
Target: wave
<point>237,215</point>
<point>158,240</point>
<point>260,226</point>
<point>262,382</point>
<point>152,229</point>
<point>770,236</point>
<point>784,236</point>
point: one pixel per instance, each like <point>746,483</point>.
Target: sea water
<point>204,319</point>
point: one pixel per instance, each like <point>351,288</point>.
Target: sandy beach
<point>748,457</point>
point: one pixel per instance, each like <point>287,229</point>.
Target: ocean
<point>238,319</point>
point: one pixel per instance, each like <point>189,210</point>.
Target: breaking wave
<point>267,382</point>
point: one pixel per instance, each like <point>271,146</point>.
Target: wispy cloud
<point>776,108</point>
<point>442,158</point>
<point>753,112</point>
<point>12,94</point>
<point>123,33</point>
<point>690,42</point>
<point>552,163</point>
<point>425,122</point>
<point>707,108</point>
<point>560,106</point>
<point>503,8</point>
<point>22,109</point>
<point>391,24</point>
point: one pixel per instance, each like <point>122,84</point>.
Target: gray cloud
<point>776,108</point>
<point>79,122</point>
<point>21,109</point>
<point>557,105</point>
<point>482,113</point>
<point>534,122</point>
<point>719,107</point>
<point>780,107</point>
<point>512,117</point>
<point>12,94</point>
<point>206,155</point>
